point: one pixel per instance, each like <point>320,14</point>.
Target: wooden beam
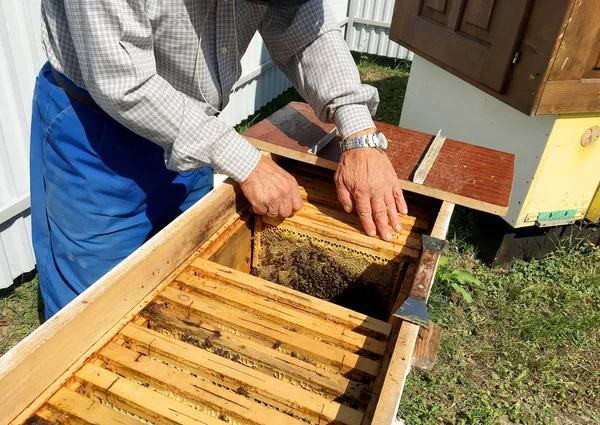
<point>442,222</point>
<point>285,296</point>
<point>217,401</point>
<point>139,400</point>
<point>203,309</point>
<point>41,363</point>
<point>427,347</point>
<point>304,323</point>
<point>429,159</point>
<point>389,398</point>
<point>265,388</point>
<point>388,387</point>
<point>267,359</point>
<point>79,408</point>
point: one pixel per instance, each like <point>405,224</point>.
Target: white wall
<point>20,60</point>
<point>368,29</point>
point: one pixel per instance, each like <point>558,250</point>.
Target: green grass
<point>19,313</point>
<point>390,77</point>
<point>525,349</point>
<point>520,345</point>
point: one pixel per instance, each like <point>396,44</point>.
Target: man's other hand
<point>271,190</point>
<point>367,181</point>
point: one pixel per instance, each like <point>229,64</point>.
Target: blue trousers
<point>98,191</point>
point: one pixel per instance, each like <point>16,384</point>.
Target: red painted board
<point>464,174</point>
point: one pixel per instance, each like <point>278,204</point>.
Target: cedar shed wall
<point>527,53</point>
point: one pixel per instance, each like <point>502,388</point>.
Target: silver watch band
<point>365,141</point>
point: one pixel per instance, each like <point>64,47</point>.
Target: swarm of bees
<point>328,271</point>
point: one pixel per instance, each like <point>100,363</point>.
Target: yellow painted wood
<point>593,213</point>
<point>568,174</point>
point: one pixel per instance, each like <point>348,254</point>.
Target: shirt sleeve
<point>114,45</point>
<point>307,45</point>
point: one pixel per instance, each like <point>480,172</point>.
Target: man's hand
<point>366,179</point>
<point>271,190</point>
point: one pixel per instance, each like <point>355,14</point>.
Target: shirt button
<point>224,50</point>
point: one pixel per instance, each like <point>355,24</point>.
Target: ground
<point>520,344</point>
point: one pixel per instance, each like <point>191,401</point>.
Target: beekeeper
<point>125,134</point>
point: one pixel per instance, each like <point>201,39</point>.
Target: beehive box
<point>226,317</point>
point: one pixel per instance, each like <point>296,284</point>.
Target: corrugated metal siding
<point>259,84</point>
<point>20,59</point>
<point>373,37</point>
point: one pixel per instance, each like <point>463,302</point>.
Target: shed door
<point>476,38</point>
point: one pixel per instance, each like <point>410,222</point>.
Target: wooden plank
<point>400,245</point>
<point>220,237</point>
<point>285,296</point>
<point>258,225</point>
<point>41,363</point>
<point>303,322</point>
<point>386,409</point>
<point>214,400</point>
<point>429,158</point>
<point>442,222</point>
<point>232,375</point>
<point>139,400</point>
<point>427,347</point>
<point>464,174</point>
<point>270,361</point>
<point>570,97</point>
<point>351,225</point>
<point>579,53</point>
<point>236,249</point>
<point>321,192</point>
<point>204,309</point>
<point>562,25</point>
<point>78,407</point>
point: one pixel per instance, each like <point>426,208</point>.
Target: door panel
<point>476,38</point>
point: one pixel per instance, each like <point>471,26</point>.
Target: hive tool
<point>414,308</point>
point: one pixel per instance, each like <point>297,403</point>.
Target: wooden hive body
<point>214,344</point>
<point>185,330</point>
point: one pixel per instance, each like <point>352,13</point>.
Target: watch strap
<point>364,141</point>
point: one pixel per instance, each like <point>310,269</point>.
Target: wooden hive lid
<point>464,174</point>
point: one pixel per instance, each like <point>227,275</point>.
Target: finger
<point>380,214</point>
<point>285,208</point>
<point>344,197</point>
<point>259,209</point>
<point>273,208</point>
<point>363,208</point>
<point>400,202</point>
<point>296,200</point>
<point>392,213</point>
<point>296,197</point>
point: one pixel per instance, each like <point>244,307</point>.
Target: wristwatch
<point>373,140</point>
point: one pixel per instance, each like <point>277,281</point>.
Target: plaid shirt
<point>155,66</point>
